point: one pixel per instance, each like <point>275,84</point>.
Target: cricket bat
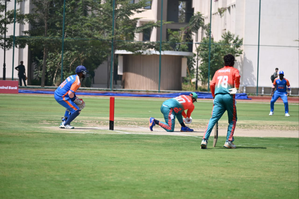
<point>215,134</point>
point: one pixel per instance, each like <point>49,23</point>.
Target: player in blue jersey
<point>175,107</point>
<point>66,97</point>
<point>282,87</point>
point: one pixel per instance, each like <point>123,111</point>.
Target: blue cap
<point>80,69</point>
<point>281,72</point>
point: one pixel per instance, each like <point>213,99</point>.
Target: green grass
<point>37,160</point>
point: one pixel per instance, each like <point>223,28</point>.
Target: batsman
<point>175,107</point>
<point>224,86</point>
<point>66,97</point>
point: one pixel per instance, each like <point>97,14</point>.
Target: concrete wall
<point>278,32</point>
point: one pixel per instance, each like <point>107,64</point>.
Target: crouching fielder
<point>175,107</point>
<point>66,97</point>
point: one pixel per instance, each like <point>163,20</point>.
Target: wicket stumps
<point>111,115</point>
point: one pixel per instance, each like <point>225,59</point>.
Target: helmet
<point>194,95</point>
<point>80,69</point>
<point>281,72</point>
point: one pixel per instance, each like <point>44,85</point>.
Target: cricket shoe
<point>186,129</point>
<point>62,125</point>
<point>287,115</point>
<point>229,145</point>
<point>271,113</point>
<point>151,123</point>
<point>204,144</point>
<point>69,127</point>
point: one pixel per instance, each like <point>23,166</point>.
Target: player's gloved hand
<point>188,120</point>
<point>80,103</point>
<point>233,91</point>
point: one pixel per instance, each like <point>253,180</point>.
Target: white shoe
<point>62,125</point>
<point>204,143</point>
<point>271,113</point>
<point>287,115</point>
<point>69,126</point>
<point>229,145</point>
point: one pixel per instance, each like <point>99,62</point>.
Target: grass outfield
<point>39,160</point>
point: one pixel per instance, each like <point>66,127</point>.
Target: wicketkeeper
<point>175,107</point>
<point>66,97</point>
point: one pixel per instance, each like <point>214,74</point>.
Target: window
<point>149,3</point>
<point>146,34</point>
<point>182,12</point>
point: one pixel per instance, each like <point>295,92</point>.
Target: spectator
<point>21,74</point>
<point>274,76</point>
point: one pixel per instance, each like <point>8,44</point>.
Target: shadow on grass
<point>245,147</point>
<point>242,147</point>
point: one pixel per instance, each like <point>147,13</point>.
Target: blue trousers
<point>222,103</point>
<point>283,96</point>
<point>70,106</point>
<point>67,103</point>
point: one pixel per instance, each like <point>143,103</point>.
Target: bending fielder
<point>66,97</point>
<point>175,107</point>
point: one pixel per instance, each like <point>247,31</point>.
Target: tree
<point>180,40</point>
<point>124,28</point>
<point>229,44</point>
<point>42,20</point>
<point>45,36</point>
<point>88,34</point>
<point>4,21</point>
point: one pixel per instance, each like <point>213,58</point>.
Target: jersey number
<point>223,81</point>
<point>180,99</point>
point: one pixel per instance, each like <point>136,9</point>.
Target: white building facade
<point>269,29</point>
<point>273,23</point>
<point>18,54</point>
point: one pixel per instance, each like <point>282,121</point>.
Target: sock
<point>156,121</point>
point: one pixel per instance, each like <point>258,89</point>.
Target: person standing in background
<point>274,76</point>
<point>21,74</point>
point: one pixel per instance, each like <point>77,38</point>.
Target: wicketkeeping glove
<point>80,103</point>
<point>188,120</point>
